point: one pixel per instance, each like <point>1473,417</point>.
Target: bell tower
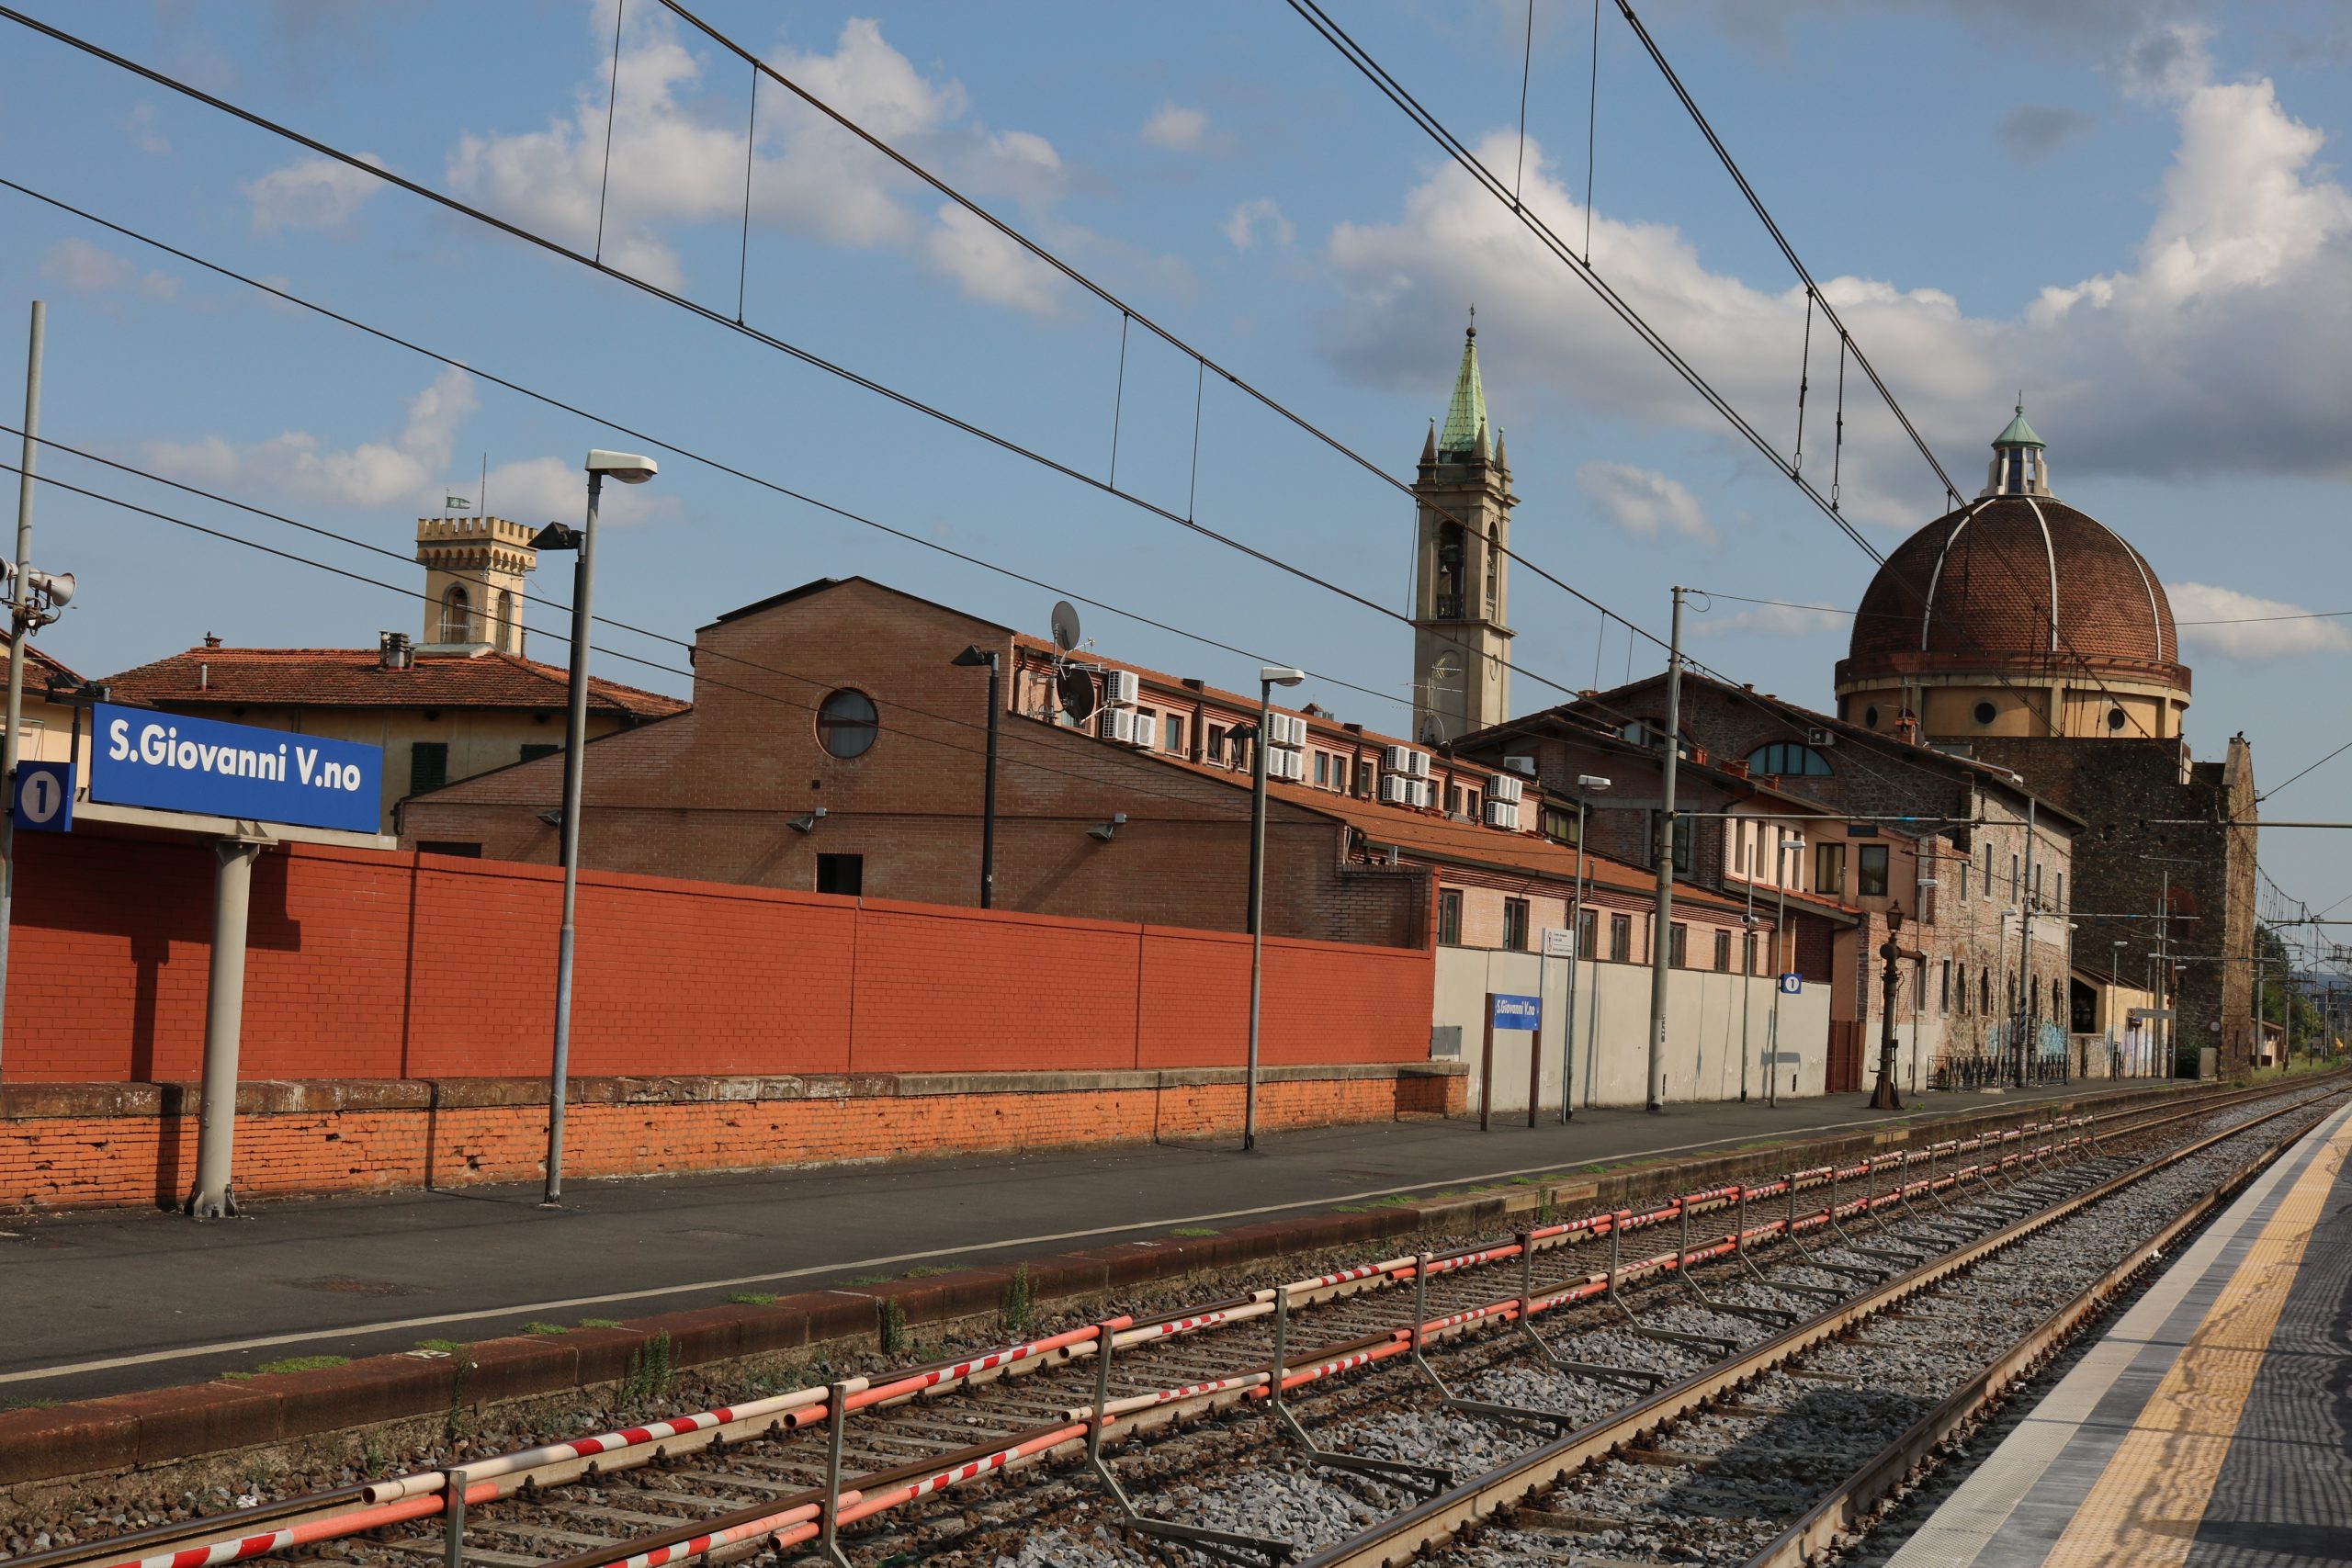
<point>1461,575</point>
<point>474,569</point>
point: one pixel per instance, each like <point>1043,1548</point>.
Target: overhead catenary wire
<point>1423,829</point>
<point>834,368</point>
<point>692,455</point>
<point>1374,72</point>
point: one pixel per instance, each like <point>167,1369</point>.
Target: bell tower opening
<point>1461,566</point>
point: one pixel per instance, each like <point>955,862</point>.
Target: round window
<point>846,724</point>
<point>2115,718</point>
<point>1869,717</point>
<point>1985,712</point>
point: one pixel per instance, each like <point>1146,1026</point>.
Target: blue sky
<point>2131,210</point>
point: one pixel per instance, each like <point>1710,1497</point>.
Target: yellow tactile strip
<point>2145,1507</point>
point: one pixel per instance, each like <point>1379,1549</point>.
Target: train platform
<point>2211,1427</point>
<point>107,1302</point>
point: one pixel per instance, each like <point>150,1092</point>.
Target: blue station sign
<point>1517,1012</point>
<point>172,763</point>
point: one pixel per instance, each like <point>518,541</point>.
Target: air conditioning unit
<point>1121,688</point>
<point>1286,730</point>
<point>1417,794</point>
<point>1281,762</point>
<point>1406,760</point>
<point>1821,736</point>
<point>1502,786</point>
<point>1396,790</point>
<point>1503,814</point>
<point>1524,765</point>
<point>1119,725</point>
<point>1147,735</point>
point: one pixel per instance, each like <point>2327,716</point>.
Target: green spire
<point>2018,433</point>
<point>1463,439</point>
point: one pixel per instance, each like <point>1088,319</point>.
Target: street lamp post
<point>1269,677</point>
<point>972,657</point>
<point>1586,783</point>
<point>632,470</point>
<point>1780,939</point>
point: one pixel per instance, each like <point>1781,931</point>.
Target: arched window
<point>457,614</point>
<point>505,633</point>
<point>1787,760</point>
<point>1448,594</point>
<point>1494,573</point>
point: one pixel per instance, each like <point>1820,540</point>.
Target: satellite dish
<point>1076,688</point>
<point>1065,626</point>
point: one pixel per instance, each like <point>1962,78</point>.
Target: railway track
<point>1782,1454</point>
<point>1190,1393</point>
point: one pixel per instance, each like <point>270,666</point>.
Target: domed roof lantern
<point>2020,460</point>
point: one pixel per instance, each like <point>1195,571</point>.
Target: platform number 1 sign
<point>44,801</point>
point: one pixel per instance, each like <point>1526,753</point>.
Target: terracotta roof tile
<point>355,677</point>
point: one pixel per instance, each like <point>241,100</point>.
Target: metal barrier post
<point>828,1533</point>
<point>452,1519</point>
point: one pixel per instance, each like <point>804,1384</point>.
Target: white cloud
<point>311,193</point>
<point>2220,350</point>
<point>1176,129</point>
<point>990,266</point>
<point>538,490</point>
<point>1244,223</point>
<point>1776,620</point>
<point>300,466</point>
<point>678,157</point>
<point>410,473</point>
<point>2249,627</point>
<point>1644,501</point>
<point>86,269</point>
<point>2167,62</point>
<point>139,125</point>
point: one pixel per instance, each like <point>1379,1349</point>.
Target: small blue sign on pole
<point>1792,984</point>
<point>172,763</point>
<point>1517,1012</point>
<point>44,802</point>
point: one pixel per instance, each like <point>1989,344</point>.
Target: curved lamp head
<point>627,467</point>
<point>1280,675</point>
<point>1591,781</point>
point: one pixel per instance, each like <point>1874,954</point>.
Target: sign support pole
<point>17,589</point>
<point>1487,1070</point>
<point>224,1011</point>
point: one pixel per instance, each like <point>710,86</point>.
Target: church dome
<point>2016,614</point>
<point>2015,577</point>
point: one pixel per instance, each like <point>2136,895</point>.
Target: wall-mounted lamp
<point>1103,830</point>
<point>806,824</point>
<point>553,817</point>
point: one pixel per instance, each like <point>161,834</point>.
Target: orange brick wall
<point>374,966</point>
<point>79,1161</point>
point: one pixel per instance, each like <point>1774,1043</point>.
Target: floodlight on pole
<point>631,470</point>
<point>1269,677</point>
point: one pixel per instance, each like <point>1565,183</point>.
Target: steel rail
<point>354,1509</point>
<point>1400,1538</point>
